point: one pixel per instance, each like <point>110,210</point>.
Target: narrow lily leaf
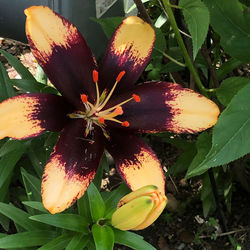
<point>160,20</point>
<point>207,197</point>
<point>8,163</point>
<point>32,86</point>
<point>10,145</point>
<point>113,199</point>
<point>19,217</point>
<point>35,205</point>
<point>2,235</point>
<point>196,15</point>
<point>103,237</point>
<point>78,242</point>
<point>231,130</point>
<point>6,90</point>
<point>231,23</point>
<point>71,222</point>
<point>27,239</point>
<point>230,87</point>
<point>32,186</point>
<point>96,203</point>
<point>99,173</point>
<point>132,240</point>
<point>40,75</point>
<point>5,188</point>
<point>5,222</point>
<point>19,67</point>
<point>58,243</point>
<point>203,145</point>
<point>83,207</point>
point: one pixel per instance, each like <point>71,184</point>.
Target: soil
<point>182,225</point>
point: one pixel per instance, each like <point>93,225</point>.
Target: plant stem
<point>216,197</point>
<point>188,61</point>
<point>143,12</point>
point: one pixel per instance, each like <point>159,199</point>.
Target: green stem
<point>171,58</point>
<point>187,59</point>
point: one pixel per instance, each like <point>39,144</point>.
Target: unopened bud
<point>139,209</point>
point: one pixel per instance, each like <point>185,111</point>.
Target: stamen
<point>125,124</point>
<point>120,76</point>
<point>101,120</point>
<point>136,98</point>
<point>118,111</point>
<point>95,76</point>
<point>84,98</point>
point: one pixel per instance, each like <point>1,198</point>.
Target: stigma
<point>96,113</point>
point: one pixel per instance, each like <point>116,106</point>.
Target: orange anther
<point>101,120</point>
<point>119,77</point>
<point>136,98</point>
<point>125,124</point>
<point>118,111</point>
<point>84,98</point>
<point>95,75</point>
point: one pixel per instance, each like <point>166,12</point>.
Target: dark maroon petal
<point>62,52</point>
<point>129,50</point>
<point>166,107</point>
<point>29,115</point>
<point>136,162</point>
<point>72,166</point>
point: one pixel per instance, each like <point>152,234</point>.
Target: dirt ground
<point>182,225</point>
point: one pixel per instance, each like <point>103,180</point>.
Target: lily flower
<point>98,107</point>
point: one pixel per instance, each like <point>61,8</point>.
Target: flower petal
<point>167,107</point>
<point>29,115</point>
<point>135,161</point>
<point>71,167</point>
<point>129,50</point>
<point>61,51</point>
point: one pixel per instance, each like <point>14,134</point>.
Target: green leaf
<point>36,205</point>
<point>109,24</point>
<point>73,222</point>
<point>207,197</point>
<point>32,86</point>
<point>99,173</point>
<point>203,146</point>
<point>83,207</point>
<point>103,237</point>
<point>231,137</point>
<point>227,67</point>
<point>10,145</point>
<point>113,199</point>
<point>132,240</point>
<point>26,239</point>
<point>96,203</point>
<point>8,163</point>
<point>78,242</point>
<point>19,67</point>
<point>160,44</point>
<point>19,217</point>
<point>196,16</point>
<point>183,161</point>
<point>229,21</point>
<point>32,185</point>
<point>230,87</point>
<point>58,243</point>
<point>6,89</point>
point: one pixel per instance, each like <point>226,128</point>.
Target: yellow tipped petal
<point>192,112</point>
<point>59,189</point>
<point>47,30</point>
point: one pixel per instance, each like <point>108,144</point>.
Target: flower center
<point>96,113</point>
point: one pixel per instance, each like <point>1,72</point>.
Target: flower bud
<point>139,209</point>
